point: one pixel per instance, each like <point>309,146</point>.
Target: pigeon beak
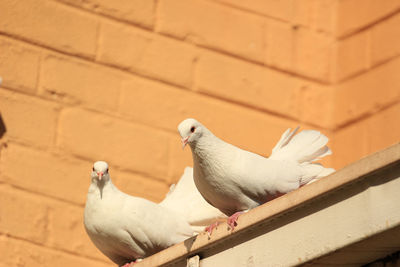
<point>100,174</point>
<point>184,141</point>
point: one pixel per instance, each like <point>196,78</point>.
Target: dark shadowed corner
<point>2,127</point>
<point>2,132</point>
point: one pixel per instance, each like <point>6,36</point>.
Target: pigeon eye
<point>106,170</point>
<point>192,129</point>
<point>93,168</point>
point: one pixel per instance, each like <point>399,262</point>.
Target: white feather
<point>184,199</point>
<point>285,139</point>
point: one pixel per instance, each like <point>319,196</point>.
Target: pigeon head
<point>100,171</point>
<point>190,131</point>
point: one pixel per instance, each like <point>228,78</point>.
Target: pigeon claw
<point>210,229</point>
<point>232,220</point>
<point>129,264</point>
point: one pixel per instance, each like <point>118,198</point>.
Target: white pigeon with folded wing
<point>235,180</point>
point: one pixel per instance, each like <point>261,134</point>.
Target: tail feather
<point>313,172</point>
<point>285,139</point>
<point>306,146</point>
<point>314,147</point>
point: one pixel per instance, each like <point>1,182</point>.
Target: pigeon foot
<point>128,264</point>
<point>209,229</point>
<point>232,220</point>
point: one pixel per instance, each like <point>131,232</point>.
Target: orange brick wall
<point>111,80</point>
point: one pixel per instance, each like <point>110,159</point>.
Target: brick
<point>152,109</point>
<point>21,253</point>
<point>55,172</point>
<point>313,52</point>
<point>179,159</point>
<point>63,28</point>
<point>368,11</point>
<point>122,144</point>
<point>28,119</point>
<point>19,66</point>
<point>279,42</point>
<point>140,12</point>
<point>367,93</point>
<point>385,41</point>
<point>352,55</point>
<point>229,78</point>
<point>304,50</point>
<point>147,54</point>
<point>52,223</point>
<point>366,136</point>
<point>316,106</point>
<point>383,129</point>
<point>76,82</point>
<point>318,15</point>
<point>282,9</point>
<point>349,144</point>
<point>22,215</point>
<point>212,25</point>
<point>139,185</point>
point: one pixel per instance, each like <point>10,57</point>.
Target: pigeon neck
<point>205,145</point>
<point>101,188</point>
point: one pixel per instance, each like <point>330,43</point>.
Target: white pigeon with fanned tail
<point>234,180</point>
<point>126,228</point>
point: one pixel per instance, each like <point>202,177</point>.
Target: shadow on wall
<point>2,127</point>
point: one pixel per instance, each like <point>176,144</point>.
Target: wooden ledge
<point>312,208</point>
